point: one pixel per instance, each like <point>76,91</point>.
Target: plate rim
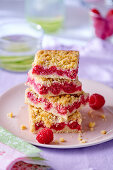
<point>63,146</point>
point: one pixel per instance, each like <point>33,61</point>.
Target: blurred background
<point>29,25</point>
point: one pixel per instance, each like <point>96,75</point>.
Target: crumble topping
<point>10,115</point>
<point>62,140</point>
<point>23,127</point>
<point>61,59</point>
<point>103,132</point>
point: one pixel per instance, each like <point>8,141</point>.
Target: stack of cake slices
<point>55,94</point>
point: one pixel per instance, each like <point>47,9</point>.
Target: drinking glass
<point>47,13</point>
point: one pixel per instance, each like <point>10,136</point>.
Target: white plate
<point>13,101</point>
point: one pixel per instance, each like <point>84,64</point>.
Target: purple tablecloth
<point>96,63</point>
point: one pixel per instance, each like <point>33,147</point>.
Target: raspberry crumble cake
<point>53,87</point>
<point>54,93</point>
<point>56,64</point>
<point>63,105</point>
<point>40,119</point>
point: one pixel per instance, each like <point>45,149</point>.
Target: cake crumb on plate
<point>56,141</point>
<point>83,141</point>
<point>10,115</point>
<point>103,116</point>
<point>80,137</point>
<point>103,132</point>
<point>62,140</point>
<point>91,124</point>
<point>23,127</point>
<point>91,129</point>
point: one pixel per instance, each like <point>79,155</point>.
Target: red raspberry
<point>110,13</point>
<point>95,11</point>
<point>74,125</point>
<point>43,90</point>
<point>58,126</point>
<point>45,136</point>
<point>96,101</point>
<point>55,88</point>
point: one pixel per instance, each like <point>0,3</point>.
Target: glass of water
<point>47,13</point>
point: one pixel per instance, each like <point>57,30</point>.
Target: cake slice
<point>56,64</point>
<point>63,105</point>
<point>40,119</point>
<point>53,87</point>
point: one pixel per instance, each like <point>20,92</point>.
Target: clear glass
<point>19,41</point>
<point>103,23</point>
<point>47,13</point>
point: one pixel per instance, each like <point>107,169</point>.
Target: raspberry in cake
<point>41,119</point>
<point>56,64</point>
<point>53,87</point>
<point>63,105</point>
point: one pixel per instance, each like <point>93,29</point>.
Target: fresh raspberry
<point>58,126</point>
<point>55,88</point>
<point>74,125</point>
<point>69,87</point>
<point>52,70</point>
<point>95,11</point>
<point>109,18</point>
<point>72,74</point>
<point>60,72</point>
<point>43,89</point>
<point>45,136</point>
<point>101,28</point>
<point>96,101</point>
<point>48,105</point>
<point>110,13</point>
<point>37,69</point>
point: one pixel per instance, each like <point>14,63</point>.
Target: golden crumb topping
<point>58,58</point>
<point>63,99</point>
<point>23,127</point>
<point>38,115</point>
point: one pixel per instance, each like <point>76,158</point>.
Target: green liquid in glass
<point>49,25</point>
